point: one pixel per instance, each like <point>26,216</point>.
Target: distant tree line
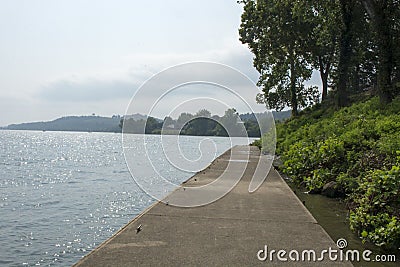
<point>203,123</point>
<point>353,44</point>
<point>73,123</point>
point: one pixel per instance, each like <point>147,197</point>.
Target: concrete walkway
<point>228,232</point>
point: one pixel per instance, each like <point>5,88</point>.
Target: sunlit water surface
<point>63,193</point>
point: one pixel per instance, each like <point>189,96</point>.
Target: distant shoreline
<point>58,131</point>
<point>113,124</point>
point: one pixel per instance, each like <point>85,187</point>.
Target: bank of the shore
<point>333,215</point>
<point>230,231</point>
<point>353,153</point>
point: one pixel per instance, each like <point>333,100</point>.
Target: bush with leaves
<point>355,146</point>
<point>315,164</point>
<point>377,215</point>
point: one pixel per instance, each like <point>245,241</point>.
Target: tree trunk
<point>344,53</point>
<point>356,79</point>
<point>385,68</point>
<point>381,25</point>
<point>324,71</point>
<point>324,77</point>
<point>293,93</point>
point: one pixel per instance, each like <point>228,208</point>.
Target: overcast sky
<point>78,57</point>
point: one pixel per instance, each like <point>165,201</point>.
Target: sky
<point>75,57</point>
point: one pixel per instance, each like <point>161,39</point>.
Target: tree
<point>151,125</point>
<point>355,63</point>
<point>184,118</point>
<point>252,128</point>
<point>133,126</point>
<point>384,15</point>
<point>323,42</point>
<point>277,39</point>
<point>230,124</point>
<point>362,73</point>
<point>200,124</point>
<point>345,51</point>
<point>168,121</point>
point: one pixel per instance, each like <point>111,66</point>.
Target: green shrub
<point>359,148</point>
<point>347,182</point>
<point>314,164</point>
<point>377,215</point>
<point>268,142</point>
<point>257,143</point>
<point>318,179</point>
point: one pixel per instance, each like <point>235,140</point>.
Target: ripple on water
<point>62,194</point>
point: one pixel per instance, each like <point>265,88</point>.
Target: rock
<point>330,190</point>
<point>314,191</point>
<point>277,163</point>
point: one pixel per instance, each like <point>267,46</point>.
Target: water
<point>63,193</point>
<point>332,215</point>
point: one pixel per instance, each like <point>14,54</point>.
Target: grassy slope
<point>358,147</point>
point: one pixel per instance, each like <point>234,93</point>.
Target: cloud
<point>219,86</point>
<point>236,56</point>
<point>107,86</point>
<point>88,90</point>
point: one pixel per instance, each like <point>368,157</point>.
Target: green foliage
<point>257,143</point>
<point>152,125</point>
<point>277,37</point>
<point>312,162</point>
<point>353,44</point>
<point>358,147</point>
<point>346,182</point>
<point>199,124</point>
<point>252,128</point>
<point>376,216</point>
<point>268,141</point>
